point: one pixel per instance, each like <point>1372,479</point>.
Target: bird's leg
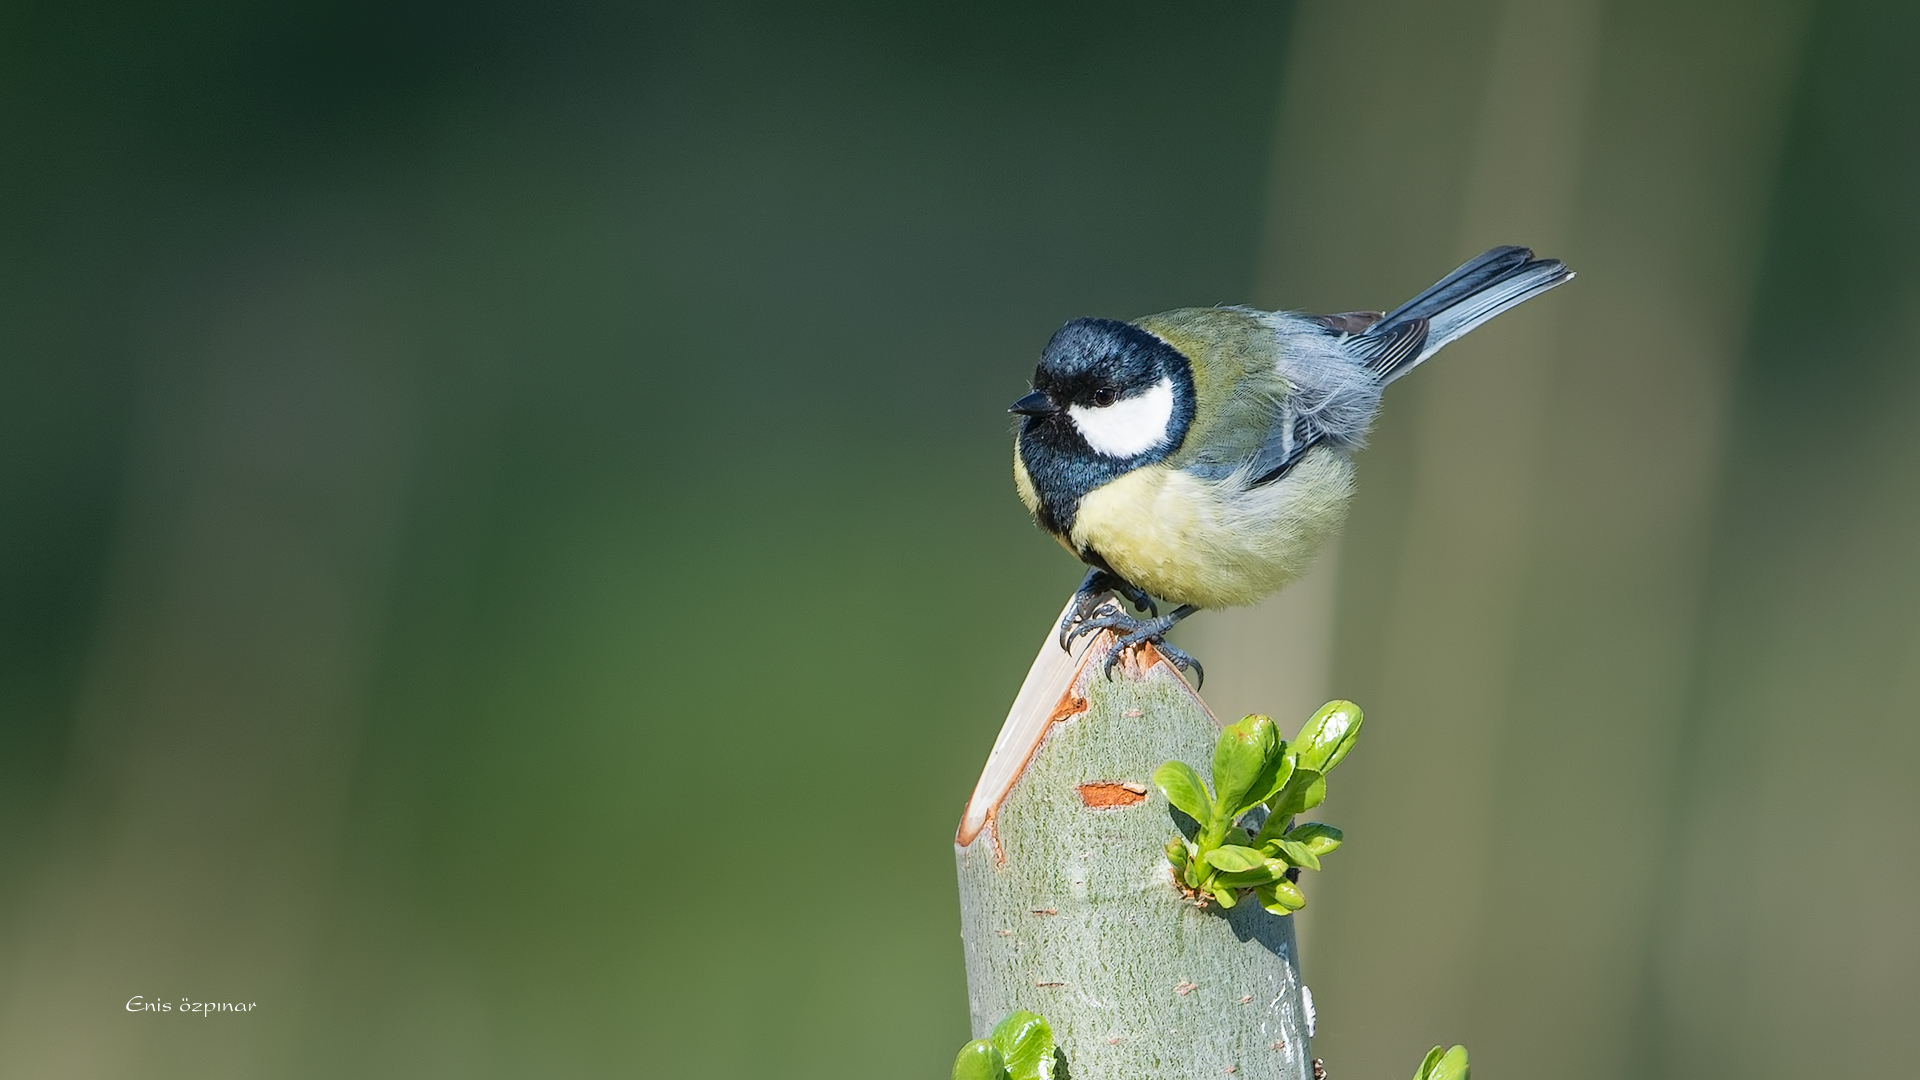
<point>1136,596</point>
<point>1093,592</point>
<point>1131,631</point>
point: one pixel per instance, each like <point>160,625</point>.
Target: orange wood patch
<point>1107,796</point>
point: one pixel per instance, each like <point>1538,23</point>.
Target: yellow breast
<point>1215,543</point>
<point>1023,482</point>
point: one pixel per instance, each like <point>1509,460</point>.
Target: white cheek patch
<point>1129,426</point>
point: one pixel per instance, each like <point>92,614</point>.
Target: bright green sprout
<point>1451,1065</point>
<point>1252,768</point>
<point>1020,1048</point>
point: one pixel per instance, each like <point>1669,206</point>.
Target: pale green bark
<point>1069,909</point>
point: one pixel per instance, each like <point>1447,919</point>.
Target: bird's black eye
<point>1105,396</point>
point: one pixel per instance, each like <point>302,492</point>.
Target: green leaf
<point>1027,1041</point>
<point>1278,771</point>
<point>1295,853</point>
<point>1282,897</point>
<point>1224,895</point>
<point>1328,735</point>
<point>1452,1065</point>
<point>1178,852</point>
<point>1239,758</point>
<point>1196,874</point>
<point>1305,790</point>
<point>1234,859</point>
<point>980,1060</point>
<point>1184,789</point>
<point>1316,793</point>
<point>1318,838</point>
<point>1264,874</point>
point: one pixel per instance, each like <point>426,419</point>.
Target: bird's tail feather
<point>1481,288</point>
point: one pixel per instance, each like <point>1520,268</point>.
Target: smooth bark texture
<point>1067,904</point>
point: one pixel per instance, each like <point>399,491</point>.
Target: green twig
<point>1253,769</point>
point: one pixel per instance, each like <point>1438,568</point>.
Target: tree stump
<point>1068,906</point>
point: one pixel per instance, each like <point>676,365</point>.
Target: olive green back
<point>1235,377</point>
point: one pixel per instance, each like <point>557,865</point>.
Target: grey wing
<point>1336,365</point>
<point>1294,433</point>
<point>1334,386</point>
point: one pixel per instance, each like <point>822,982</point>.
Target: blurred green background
<point>501,506</point>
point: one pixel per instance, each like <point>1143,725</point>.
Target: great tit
<point>1203,455</point>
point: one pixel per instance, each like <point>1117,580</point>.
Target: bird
<point>1202,456</point>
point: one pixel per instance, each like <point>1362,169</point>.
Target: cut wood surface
<point>1067,902</point>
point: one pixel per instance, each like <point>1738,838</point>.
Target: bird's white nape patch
<point>1129,426</point>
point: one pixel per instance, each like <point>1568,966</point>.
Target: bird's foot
<point>1130,632</point>
<point>1091,598</point>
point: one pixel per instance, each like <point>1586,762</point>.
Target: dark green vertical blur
<point>509,559</point>
<point>1788,943</point>
<point>1629,591</point>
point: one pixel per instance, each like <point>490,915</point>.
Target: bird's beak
<point>1034,404</point>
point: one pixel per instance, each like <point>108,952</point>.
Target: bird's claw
<point>1138,598</point>
<point>1094,610</point>
<point>1131,632</point>
<point>1108,617</point>
<point>1086,608</point>
<point>1154,632</point>
<point>1174,655</point>
<point>1092,598</point>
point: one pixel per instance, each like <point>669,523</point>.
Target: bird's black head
<point>1108,397</point>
